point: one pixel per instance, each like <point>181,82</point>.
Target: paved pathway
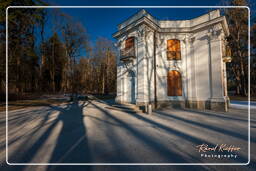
<point>97,132</point>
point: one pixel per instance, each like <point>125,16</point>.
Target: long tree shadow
<point>221,116</point>
<point>22,123</point>
<point>26,155</point>
<point>71,145</point>
<point>170,156</point>
<point>170,130</point>
<point>206,126</point>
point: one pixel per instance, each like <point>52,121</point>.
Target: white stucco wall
<point>201,64</point>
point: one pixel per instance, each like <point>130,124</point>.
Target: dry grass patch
<point>13,105</point>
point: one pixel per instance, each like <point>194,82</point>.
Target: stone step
<point>121,109</point>
<point>128,107</point>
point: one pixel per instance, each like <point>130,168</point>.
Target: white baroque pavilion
<point>178,63</point>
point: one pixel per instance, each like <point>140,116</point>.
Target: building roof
<point>143,16</point>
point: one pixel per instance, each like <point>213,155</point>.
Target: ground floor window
<point>174,83</point>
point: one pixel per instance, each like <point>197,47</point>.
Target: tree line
<point>237,69</point>
<point>59,57</point>
<point>62,61</point>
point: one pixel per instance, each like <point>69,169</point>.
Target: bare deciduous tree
<point>75,40</point>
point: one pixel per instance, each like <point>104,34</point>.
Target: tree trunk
<point>103,82</point>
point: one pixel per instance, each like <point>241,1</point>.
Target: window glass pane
<point>173,49</point>
<point>174,83</point>
<point>129,43</point>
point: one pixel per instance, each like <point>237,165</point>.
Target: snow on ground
<point>242,104</point>
<point>96,132</point>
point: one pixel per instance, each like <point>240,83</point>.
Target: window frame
<point>173,54</point>
<point>131,45</point>
<point>174,83</point>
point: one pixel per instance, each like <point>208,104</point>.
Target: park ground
<point>100,131</point>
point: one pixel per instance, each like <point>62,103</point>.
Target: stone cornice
<point>145,20</point>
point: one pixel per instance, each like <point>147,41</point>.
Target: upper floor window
<point>128,52</point>
<point>129,43</point>
<point>173,49</point>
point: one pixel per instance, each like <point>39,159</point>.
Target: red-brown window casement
<point>129,43</point>
<point>174,83</point>
<point>173,49</point>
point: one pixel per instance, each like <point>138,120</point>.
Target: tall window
<point>174,83</point>
<point>129,43</point>
<point>173,49</point>
<point>128,52</point>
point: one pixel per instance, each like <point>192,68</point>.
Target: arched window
<point>174,83</point>
<point>173,49</point>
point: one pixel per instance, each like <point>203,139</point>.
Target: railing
<point>127,54</point>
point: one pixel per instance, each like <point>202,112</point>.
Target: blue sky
<point>103,22</point>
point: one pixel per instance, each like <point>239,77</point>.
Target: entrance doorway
<point>131,87</point>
